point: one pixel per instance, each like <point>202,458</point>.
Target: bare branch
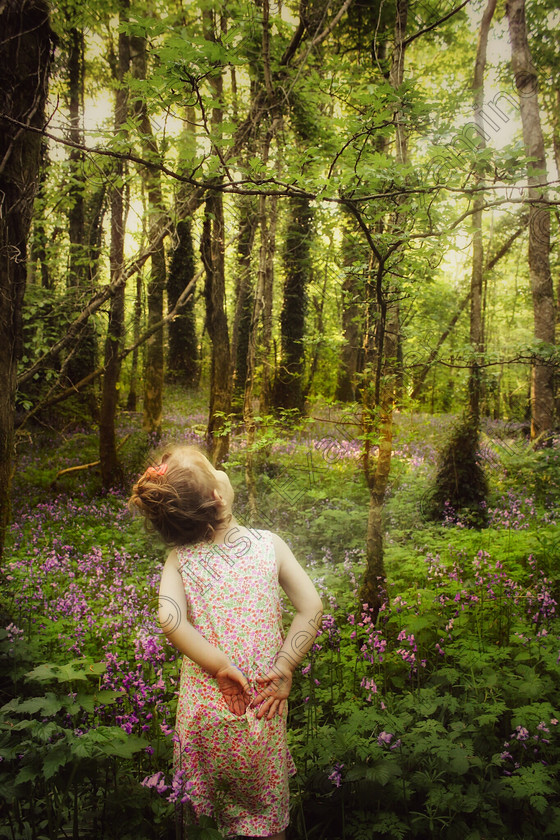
<point>327,31</point>
<point>450,14</point>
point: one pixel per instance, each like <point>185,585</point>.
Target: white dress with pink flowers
<point>238,766</point>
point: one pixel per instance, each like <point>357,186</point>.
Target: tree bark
<point>132,399</point>
<point>111,470</point>
<point>525,75</point>
<point>212,253</point>
<point>182,357</point>
<point>352,317</point>
<point>80,270</point>
<point>379,395</point>
<point>288,385</point>
<point>76,226</point>
<point>25,59</point>
<point>153,372</point>
<point>248,224</point>
<point>477,276</point>
<point>266,266</point>
<point>183,363</point>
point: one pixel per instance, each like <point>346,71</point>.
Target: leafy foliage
<point>441,721</point>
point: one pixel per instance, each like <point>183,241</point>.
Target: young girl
<point>220,607</point>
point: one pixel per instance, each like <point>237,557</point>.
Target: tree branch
<point>328,29</point>
<point>416,35</point>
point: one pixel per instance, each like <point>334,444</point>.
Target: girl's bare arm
<point>276,685</point>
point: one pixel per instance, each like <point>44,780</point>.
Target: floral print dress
<point>238,766</point>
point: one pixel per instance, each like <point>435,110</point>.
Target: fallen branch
<point>85,466</point>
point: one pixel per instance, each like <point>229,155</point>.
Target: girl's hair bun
<point>176,498</point>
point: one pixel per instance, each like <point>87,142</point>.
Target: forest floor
<point>438,721</point>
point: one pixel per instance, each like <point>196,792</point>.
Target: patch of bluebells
<point>523,746</point>
<point>178,791</point>
<point>462,587</point>
<point>336,775</point>
<point>87,601</point>
<point>515,511</point>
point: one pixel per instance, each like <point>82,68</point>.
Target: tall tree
<point>111,470</point>
<point>25,59</point>
<point>288,386</point>
<point>183,364</point>
<point>212,250</point>
<point>477,275</point>
<point>212,253</point>
<point>182,359</point>
<point>244,295</point>
<point>525,75</point>
<point>381,352</point>
<point>82,256</point>
<point>151,177</point>
<point>352,311</point>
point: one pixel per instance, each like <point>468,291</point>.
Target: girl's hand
<point>275,690</point>
<point>234,688</point>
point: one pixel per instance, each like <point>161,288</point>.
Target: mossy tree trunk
<point>525,75</point>
<point>212,253</point>
<point>76,226</point>
<point>111,470</point>
<point>82,252</point>
<point>151,178</point>
<point>477,274</point>
<point>382,365</point>
<point>182,357</point>
<point>288,385</point>
<point>25,59</point>
<point>352,312</point>
<point>244,297</point>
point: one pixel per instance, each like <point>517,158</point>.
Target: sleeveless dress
<point>238,766</point>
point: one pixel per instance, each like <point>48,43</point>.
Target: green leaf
<point>27,774</point>
<point>459,762</point>
<point>30,706</point>
<point>538,802</point>
<point>55,758</point>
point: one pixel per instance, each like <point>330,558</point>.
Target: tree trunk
<point>477,275</point>
<point>76,226</point>
<point>132,399</point>
<point>248,224</point>
<point>352,318</point>
<point>212,253</point>
<point>542,375</point>
<point>182,357</point>
<point>183,363</point>
<point>111,470</point>
<point>288,385</point>
<point>212,248</point>
<point>25,58</point>
<point>82,361</point>
<point>379,395</point>
<point>38,249</point>
<point>153,372</point>
<point>266,266</point>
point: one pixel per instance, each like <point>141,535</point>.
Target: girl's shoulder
<point>172,559</point>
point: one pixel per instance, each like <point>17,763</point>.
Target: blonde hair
<point>176,498</point>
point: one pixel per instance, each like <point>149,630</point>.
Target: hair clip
<point>153,471</point>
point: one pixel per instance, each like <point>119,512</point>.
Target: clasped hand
<point>271,695</point>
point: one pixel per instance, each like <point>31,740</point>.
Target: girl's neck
<point>220,534</point>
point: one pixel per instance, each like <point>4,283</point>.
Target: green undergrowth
<point>438,720</point>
